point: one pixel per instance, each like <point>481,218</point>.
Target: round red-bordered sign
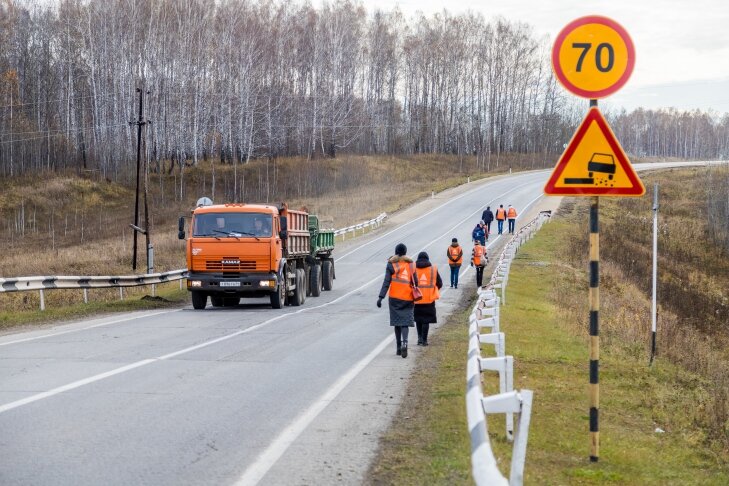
<point>593,57</point>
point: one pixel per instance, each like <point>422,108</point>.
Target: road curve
<point>231,396</point>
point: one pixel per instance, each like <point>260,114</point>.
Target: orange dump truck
<point>256,250</point>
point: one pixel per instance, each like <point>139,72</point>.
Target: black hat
<point>423,256</point>
<point>454,240</point>
<point>401,249</point>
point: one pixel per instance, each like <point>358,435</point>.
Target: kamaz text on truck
<point>256,250</point>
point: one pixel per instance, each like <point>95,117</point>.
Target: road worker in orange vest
<point>501,217</point>
<point>455,260</point>
<point>511,214</point>
<point>479,261</point>
<point>430,283</point>
<point>398,285</point>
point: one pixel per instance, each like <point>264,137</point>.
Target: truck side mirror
<point>283,234</point>
<point>181,228</point>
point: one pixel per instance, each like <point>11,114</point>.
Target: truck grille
<point>232,265</point>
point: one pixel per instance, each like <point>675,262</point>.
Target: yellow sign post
<point>593,57</point>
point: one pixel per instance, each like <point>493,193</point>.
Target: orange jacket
<point>512,213</point>
<point>401,283</point>
<point>455,255</point>
<point>479,252</point>
<point>426,278</point>
<point>500,214</point>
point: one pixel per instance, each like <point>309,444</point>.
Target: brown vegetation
<point>693,323</point>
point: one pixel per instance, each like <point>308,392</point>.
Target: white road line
<point>85,328</point>
<point>429,212</point>
<point>139,364</point>
<point>263,463</point>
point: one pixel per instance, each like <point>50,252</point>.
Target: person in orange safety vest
<point>501,217</point>
<point>479,261</point>
<point>455,260</point>
<point>398,286</point>
<point>511,214</point>
<point>430,283</point>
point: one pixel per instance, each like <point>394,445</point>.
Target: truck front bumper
<point>242,284</point>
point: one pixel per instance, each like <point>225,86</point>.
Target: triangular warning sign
<point>423,279</point>
<point>594,164</point>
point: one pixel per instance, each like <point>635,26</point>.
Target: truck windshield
<point>233,225</point>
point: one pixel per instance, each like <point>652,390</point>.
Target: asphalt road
<point>232,396</point>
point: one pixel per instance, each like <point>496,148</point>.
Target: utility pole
<point>140,123</point>
<point>654,306</point>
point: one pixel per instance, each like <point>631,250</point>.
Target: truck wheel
<point>278,298</point>
<point>300,291</point>
<point>327,274</point>
<point>231,301</point>
<point>216,300</point>
<point>315,280</point>
<point>199,300</point>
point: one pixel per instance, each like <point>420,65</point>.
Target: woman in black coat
<point>425,313</point>
<point>401,311</point>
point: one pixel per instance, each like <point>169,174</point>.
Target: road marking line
<point>87,327</point>
<point>263,463</point>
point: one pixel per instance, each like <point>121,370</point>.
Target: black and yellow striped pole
<point>594,330</point>
<point>594,326</point>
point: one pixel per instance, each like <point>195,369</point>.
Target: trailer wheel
<point>299,292</point>
<point>327,274</point>
<point>199,300</point>
<point>315,280</point>
<point>217,301</point>
<point>278,298</point>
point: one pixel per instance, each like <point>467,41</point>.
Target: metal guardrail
<point>508,401</point>
<point>373,222</point>
<point>42,283</point>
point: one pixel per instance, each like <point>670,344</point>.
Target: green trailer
<point>320,267</point>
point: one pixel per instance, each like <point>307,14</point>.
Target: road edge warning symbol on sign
<point>599,162</point>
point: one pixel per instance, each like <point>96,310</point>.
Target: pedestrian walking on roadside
<point>487,217</point>
<point>429,283</point>
<point>455,260</point>
<point>511,214</point>
<point>478,261</point>
<point>479,233</point>
<point>398,285</point>
<point>500,218</point>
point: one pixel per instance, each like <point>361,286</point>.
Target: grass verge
<point>167,296</point>
<point>551,358</point>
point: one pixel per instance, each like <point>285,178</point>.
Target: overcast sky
<point>682,46</point>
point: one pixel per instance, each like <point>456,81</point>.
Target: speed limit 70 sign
<point>593,57</point>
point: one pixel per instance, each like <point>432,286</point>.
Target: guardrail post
<point>86,296</point>
<point>121,293</point>
<point>42,300</point>
<point>518,454</point>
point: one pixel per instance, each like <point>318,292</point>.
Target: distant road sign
<point>594,164</point>
<point>593,57</point>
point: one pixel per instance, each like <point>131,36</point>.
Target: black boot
<point>404,349</point>
<point>399,349</point>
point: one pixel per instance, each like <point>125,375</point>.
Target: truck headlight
<point>265,283</point>
<point>194,283</point>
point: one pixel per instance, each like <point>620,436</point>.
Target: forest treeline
<point>233,80</point>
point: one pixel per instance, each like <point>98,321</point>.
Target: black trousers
<point>401,335</point>
<point>479,275</point>
<point>423,328</point>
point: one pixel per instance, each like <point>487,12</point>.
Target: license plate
<point>230,284</point>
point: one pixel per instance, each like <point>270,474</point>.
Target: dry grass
<point>693,326</point>
<point>62,224</point>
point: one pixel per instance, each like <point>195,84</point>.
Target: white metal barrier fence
<point>43,283</point>
<point>373,222</point>
<point>508,401</point>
